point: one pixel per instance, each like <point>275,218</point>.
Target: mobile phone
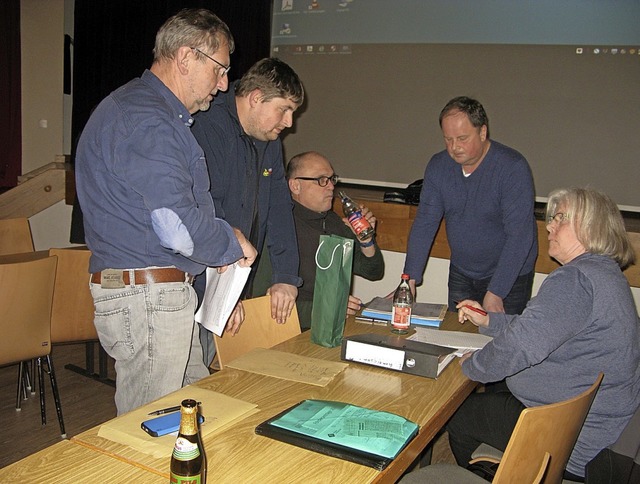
<point>164,424</point>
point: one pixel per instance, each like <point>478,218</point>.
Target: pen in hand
<point>477,310</point>
<point>162,411</point>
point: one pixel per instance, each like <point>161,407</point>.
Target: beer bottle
<point>401,310</point>
<point>361,225</point>
<point>188,462</point>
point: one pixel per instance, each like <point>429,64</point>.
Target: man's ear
<point>294,186</point>
<point>255,97</point>
<point>184,57</point>
<point>483,132</point>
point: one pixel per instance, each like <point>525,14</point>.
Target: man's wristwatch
<point>367,244</point>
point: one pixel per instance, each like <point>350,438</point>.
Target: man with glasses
<point>148,216</point>
<point>311,182</point>
<point>240,138</point>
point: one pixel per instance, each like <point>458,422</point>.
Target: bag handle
<point>332,255</point>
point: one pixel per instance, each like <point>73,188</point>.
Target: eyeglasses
<point>558,218</point>
<point>225,68</point>
<point>323,181</point>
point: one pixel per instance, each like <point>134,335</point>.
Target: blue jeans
<point>149,331</point>
<point>463,287</point>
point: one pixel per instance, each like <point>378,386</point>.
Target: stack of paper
<point>462,342</point>
<point>422,314</point>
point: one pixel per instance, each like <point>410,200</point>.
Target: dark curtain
<point>10,99</point>
<point>113,43</point>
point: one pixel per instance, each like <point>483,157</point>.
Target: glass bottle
<point>188,461</point>
<point>360,224</point>
<point>401,309</point>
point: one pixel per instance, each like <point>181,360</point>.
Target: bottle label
<point>401,317</point>
<point>358,222</point>
<point>176,479</point>
<point>185,450</point>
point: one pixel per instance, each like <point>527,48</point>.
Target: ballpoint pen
<point>477,310</point>
<point>162,411</point>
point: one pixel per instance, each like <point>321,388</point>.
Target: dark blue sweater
<point>489,218</point>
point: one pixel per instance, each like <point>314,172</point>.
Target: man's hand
<point>283,298</point>
<point>236,319</point>
<point>248,250</point>
<point>369,217</point>
<point>353,305</point>
<point>493,303</point>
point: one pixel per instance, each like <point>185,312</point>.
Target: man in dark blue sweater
<point>484,190</point>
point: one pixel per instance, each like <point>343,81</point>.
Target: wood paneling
<point>395,220</point>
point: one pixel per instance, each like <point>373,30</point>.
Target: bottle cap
<point>405,277</point>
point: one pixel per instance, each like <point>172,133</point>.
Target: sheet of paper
<point>218,410</point>
<point>288,366</point>
<point>220,297</point>
<point>463,342</point>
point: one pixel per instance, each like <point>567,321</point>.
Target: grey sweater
<point>583,321</point>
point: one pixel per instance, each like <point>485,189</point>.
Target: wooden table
<point>237,454</point>
<point>68,461</point>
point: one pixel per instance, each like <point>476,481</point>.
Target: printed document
<point>220,297</point>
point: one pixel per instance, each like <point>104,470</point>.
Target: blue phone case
<point>164,424</point>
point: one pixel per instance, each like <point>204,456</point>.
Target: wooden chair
<point>257,331</point>
<point>26,296</point>
<point>15,236</point>
<point>538,449</point>
<point>73,311</point>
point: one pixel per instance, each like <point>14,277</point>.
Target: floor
<point>85,403</point>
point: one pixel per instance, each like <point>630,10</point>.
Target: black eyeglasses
<point>323,181</point>
<point>225,68</point>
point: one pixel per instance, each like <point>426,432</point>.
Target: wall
<point>45,109</point>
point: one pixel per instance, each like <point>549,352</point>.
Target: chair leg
<point>20,386</point>
<point>32,384</point>
<point>56,395</point>
<point>26,384</point>
<point>43,406</point>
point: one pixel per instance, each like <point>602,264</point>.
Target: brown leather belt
<point>148,276</point>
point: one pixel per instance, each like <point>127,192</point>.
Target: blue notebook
<point>422,314</point>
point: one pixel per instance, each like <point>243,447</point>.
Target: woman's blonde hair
<point>596,220</point>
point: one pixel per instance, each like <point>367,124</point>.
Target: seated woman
<point>583,321</point>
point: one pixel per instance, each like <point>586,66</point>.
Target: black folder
<point>356,419</point>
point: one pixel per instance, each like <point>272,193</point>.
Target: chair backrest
<point>72,312</point>
<point>26,295</point>
<point>551,429</point>
<point>257,331</point>
<point>15,236</point>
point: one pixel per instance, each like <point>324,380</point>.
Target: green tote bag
<point>334,261</point>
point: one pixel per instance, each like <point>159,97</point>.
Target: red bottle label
<point>358,222</point>
<point>401,317</point>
